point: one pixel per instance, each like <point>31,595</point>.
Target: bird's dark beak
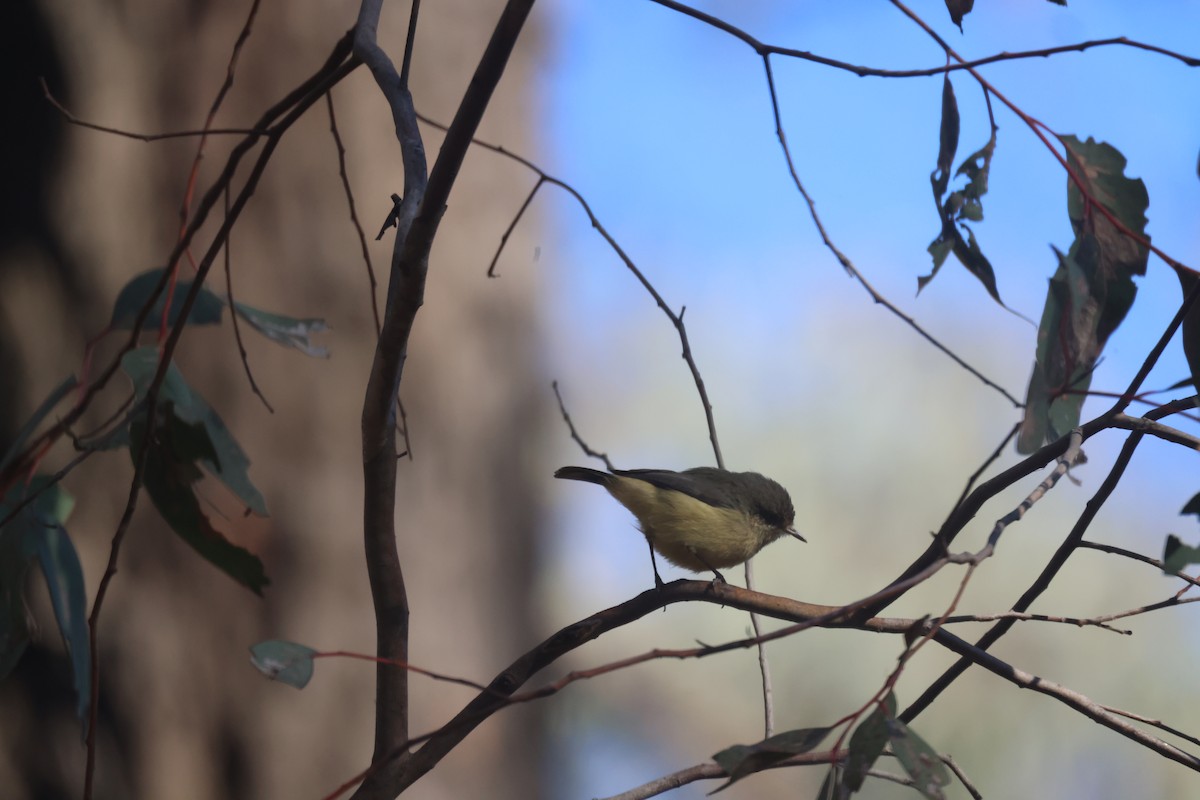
<point>792,532</point>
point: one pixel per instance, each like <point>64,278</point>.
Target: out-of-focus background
<point>665,126</point>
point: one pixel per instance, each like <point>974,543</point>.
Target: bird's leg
<point>658,581</point>
<point>704,561</point>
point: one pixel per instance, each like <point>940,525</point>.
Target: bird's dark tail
<point>583,474</point>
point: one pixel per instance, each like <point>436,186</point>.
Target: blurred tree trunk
<point>184,715</point>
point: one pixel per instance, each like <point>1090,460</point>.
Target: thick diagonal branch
<point>418,217</point>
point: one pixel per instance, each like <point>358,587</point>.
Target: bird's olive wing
<point>707,484</point>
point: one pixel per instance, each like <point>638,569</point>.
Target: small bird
<point>702,518</point>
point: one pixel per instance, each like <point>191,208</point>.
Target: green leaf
<point>34,421</point>
<point>939,248</point>
<point>225,459</point>
<point>919,760</point>
<point>972,210</point>
<point>1191,324</point>
<point>205,311</point>
<point>286,662</point>
<point>742,760</point>
<point>1101,168</point>
<point>833,787</point>
<point>1177,555</point>
<point>287,331</point>
<point>15,558</point>
<point>51,504</point>
<point>947,137</point>
<point>168,481</point>
<point>1192,506</point>
<point>962,205</point>
<point>1091,291</point>
<point>959,9</point>
<point>36,533</point>
<point>188,434</point>
<point>971,257</point>
<point>976,167</point>
<point>64,578</point>
<point>867,743</point>
<point>1061,378</point>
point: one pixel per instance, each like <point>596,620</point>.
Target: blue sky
<point>664,124</point>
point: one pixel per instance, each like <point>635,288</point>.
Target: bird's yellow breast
<point>688,532</point>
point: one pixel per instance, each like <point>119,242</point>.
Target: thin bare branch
<point>845,261</point>
<point>764,666</point>
<point>233,316</point>
<point>1121,551</point>
<point>144,137</point>
<point>987,462</point>
<point>764,49</point>
<point>1064,463</point>
<point>1157,723</point>
<point>583,445</point>
<point>358,228</point>
<point>491,271</point>
<point>676,319</point>
<point>1078,622</point>
<point>962,777</point>
<point>1039,130</point>
<point>273,123</point>
<point>683,777</point>
<point>1157,429</point>
<point>1052,568</point>
<point>293,106</point>
<point>1069,697</point>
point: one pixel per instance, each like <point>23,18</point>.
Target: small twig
<point>194,173</point>
<point>541,181</point>
<point>402,414</point>
<point>676,319</point>
<point>140,458</point>
<point>1156,429</point>
<point>392,662</point>
<point>764,666</point>
<point>912,648</point>
<point>1064,463</point>
<point>1069,697</point>
<point>169,343</point>
<point>393,217</point>
<point>845,261</point>
<point>358,228</point>
<point>962,777</point>
<point>1140,398</point>
<point>987,462</point>
<point>683,777</point>
<point>1043,580</point>
<point>1130,554</point>
<point>233,315</point>
<point>1157,723</point>
<point>764,49</point>
<point>1040,130</point>
<point>588,451</point>
<point>275,122</point>
<point>45,486</point>
<point>1016,615</point>
<point>144,137</point>
<point>710,771</point>
<point>410,41</point>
